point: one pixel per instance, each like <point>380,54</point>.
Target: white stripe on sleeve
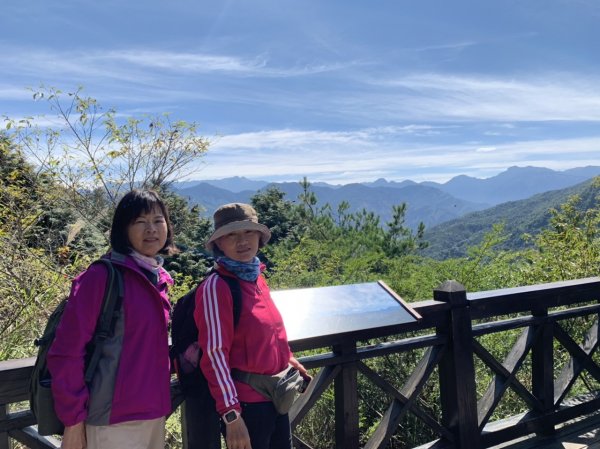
<point>214,346</point>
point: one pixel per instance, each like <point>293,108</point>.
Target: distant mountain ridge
<point>453,238</point>
<point>515,183</point>
<point>425,203</point>
<point>428,202</point>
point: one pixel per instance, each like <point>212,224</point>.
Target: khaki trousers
<point>146,434</point>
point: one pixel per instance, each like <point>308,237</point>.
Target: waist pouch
<point>280,388</point>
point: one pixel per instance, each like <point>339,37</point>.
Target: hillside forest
<point>59,185</point>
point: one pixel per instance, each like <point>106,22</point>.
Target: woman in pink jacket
<point>257,344</point>
<point>127,401</point>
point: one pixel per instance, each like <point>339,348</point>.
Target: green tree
<point>97,158</point>
<point>570,247</point>
<point>279,214</point>
<point>337,247</point>
<point>191,230</point>
<point>400,239</point>
<point>33,274</point>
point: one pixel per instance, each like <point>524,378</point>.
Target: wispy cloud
<point>9,92</point>
<point>418,116</point>
<point>368,154</point>
<point>368,95</point>
<point>465,44</point>
<point>185,61</point>
<point>450,46</point>
<point>129,63</point>
<point>292,139</point>
<point>451,97</point>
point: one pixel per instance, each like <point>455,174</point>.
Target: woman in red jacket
<point>256,344</point>
<point>127,401</point>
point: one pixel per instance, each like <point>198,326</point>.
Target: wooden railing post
<point>4,440</point>
<point>346,400</point>
<point>542,368</point>
<point>457,371</point>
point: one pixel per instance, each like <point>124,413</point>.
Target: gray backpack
<point>40,394</point>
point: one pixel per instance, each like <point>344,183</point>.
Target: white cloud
<point>12,93</point>
<point>132,64</point>
<point>408,124</point>
<point>368,154</point>
<point>451,97</point>
<point>365,96</point>
<point>291,139</point>
<point>189,62</point>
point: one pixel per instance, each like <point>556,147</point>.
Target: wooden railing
<point>543,367</point>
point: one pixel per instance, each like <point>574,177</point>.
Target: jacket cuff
<point>236,407</point>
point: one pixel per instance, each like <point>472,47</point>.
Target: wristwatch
<point>231,416</point>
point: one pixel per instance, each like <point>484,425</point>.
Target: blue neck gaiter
<point>247,271</point>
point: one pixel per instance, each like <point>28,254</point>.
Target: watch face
<point>230,416</point>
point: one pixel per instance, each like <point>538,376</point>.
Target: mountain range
<point>528,216</point>
<point>428,202</point>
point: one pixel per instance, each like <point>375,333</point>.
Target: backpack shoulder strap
<point>236,295</point>
<point>111,304</point>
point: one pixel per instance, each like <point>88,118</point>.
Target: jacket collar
<point>128,261</point>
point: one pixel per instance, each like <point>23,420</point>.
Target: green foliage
<point>34,266</point>
<point>399,239</point>
<point>173,438</point>
<point>486,266</point>
<point>278,214</point>
<point>569,248</point>
<point>453,238</point>
<point>155,150</point>
<point>332,248</point>
<point>190,230</point>
<point>97,158</point>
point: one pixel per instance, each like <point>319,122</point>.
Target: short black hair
<point>131,206</point>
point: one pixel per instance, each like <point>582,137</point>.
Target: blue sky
<point>338,91</point>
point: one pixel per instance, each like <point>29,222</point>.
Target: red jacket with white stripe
<point>258,344</point>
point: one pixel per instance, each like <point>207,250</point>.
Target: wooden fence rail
<point>551,355</point>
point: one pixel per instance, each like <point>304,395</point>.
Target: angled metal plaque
<point>327,311</point>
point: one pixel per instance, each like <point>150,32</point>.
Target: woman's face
<point>147,234</point>
<point>240,245</point>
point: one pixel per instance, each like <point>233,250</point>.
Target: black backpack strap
<point>236,295</point>
<point>111,305</point>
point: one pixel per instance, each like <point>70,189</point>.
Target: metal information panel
<point>323,311</point>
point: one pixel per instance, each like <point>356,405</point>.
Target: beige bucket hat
<point>234,217</point>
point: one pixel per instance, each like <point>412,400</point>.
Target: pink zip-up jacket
<point>258,344</point>
<point>132,381</point>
